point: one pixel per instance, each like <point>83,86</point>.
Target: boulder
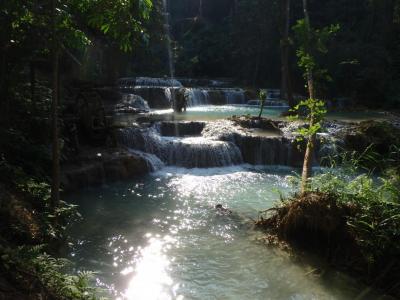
<point>156,97</point>
<point>381,135</point>
<point>132,104</point>
<point>100,167</point>
<point>181,128</point>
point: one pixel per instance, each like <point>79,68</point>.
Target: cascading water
<point>235,96</point>
<point>190,152</point>
<point>267,150</point>
<point>197,96</point>
<point>168,94</point>
<point>157,82</point>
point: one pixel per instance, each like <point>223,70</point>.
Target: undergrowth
<point>30,234</point>
<point>36,272</point>
<point>361,209</point>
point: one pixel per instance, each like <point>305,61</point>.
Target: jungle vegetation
<point>47,44</point>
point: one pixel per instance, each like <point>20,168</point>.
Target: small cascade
<point>267,150</point>
<point>168,94</point>
<point>157,82</point>
<point>189,152</point>
<point>131,82</point>
<point>235,96</point>
<point>153,162</point>
<point>197,96</point>
<point>199,152</point>
<point>143,139</point>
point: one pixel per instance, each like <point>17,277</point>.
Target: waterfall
<point>157,82</point>
<point>189,152</point>
<point>235,96</point>
<point>168,94</point>
<point>197,97</point>
<point>266,150</point>
<point>131,82</point>
<point>206,96</point>
<point>199,152</point>
<point>152,161</point>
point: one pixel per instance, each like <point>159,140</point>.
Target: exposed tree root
<point>317,223</point>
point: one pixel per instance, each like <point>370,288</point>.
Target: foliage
<point>312,110</point>
<point>118,19</point>
<point>376,225</point>
<point>312,43</point>
<point>38,271</point>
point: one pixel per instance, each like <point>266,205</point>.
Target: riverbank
<point>350,221</point>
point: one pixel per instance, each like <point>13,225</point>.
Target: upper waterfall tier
<point>158,92</point>
<point>130,82</point>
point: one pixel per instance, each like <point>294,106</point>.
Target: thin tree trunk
<point>201,9</point>
<point>55,185</point>
<point>4,102</point>
<point>33,85</point>
<point>261,108</point>
<point>286,83</point>
<point>310,79</point>
<point>307,165</point>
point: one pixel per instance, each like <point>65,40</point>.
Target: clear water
<point>160,237</point>
<point>214,112</point>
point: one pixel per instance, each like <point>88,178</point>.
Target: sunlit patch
<point>152,279</point>
<point>179,244</point>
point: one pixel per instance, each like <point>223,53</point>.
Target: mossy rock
<point>248,121</point>
<point>381,135</point>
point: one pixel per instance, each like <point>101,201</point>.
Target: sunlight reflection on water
<point>152,279</point>
<point>161,238</point>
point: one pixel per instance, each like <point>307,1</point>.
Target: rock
<point>96,168</point>
<point>132,104</point>
<point>381,134</point>
<point>181,128</point>
<point>267,150</point>
<point>156,97</point>
<point>255,122</point>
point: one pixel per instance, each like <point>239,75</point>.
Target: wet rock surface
<point>155,96</point>
<point>148,146</point>
<point>132,104</point>
<point>381,135</point>
<point>98,166</point>
<point>181,128</point>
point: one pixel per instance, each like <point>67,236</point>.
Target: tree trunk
<point>286,83</point>
<point>310,79</point>
<point>33,85</point>
<point>4,97</point>
<point>308,156</point>
<point>201,9</point>
<point>55,184</point>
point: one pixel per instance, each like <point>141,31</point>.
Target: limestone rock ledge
<point>99,166</point>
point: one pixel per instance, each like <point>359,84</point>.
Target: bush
<point>376,225</point>
<point>36,272</point>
